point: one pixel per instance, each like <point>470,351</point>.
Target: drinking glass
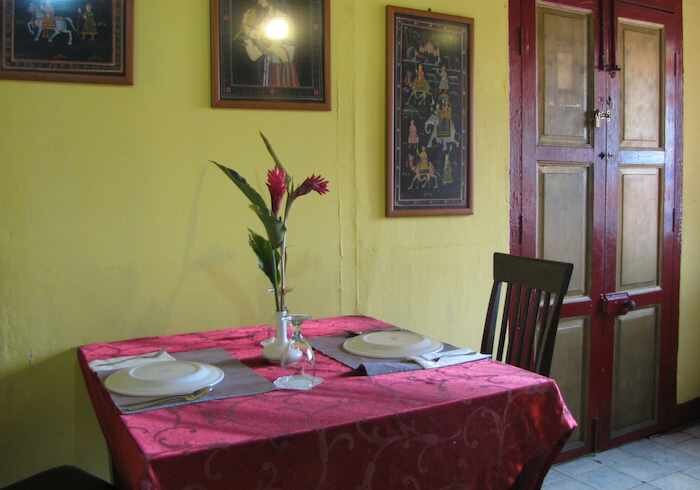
<point>300,356</point>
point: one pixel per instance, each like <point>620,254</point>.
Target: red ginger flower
<point>277,185</point>
<point>314,183</point>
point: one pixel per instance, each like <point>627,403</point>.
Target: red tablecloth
<point>481,425</point>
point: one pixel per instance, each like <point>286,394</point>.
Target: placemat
<point>239,380</point>
<point>332,346</point>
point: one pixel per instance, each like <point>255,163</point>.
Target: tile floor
<point>667,462</point>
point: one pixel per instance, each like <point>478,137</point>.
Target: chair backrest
<point>530,316</point>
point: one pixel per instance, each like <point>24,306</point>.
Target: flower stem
<point>283,273</point>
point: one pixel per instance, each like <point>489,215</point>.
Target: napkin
<point>448,360</point>
<point>102,365</point>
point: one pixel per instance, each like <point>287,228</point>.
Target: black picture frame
<point>429,113</point>
<point>253,68</point>
<point>83,41</point>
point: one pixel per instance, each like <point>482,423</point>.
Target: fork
<point>189,397</point>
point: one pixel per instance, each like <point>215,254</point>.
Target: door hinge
<point>520,229</point>
<point>673,221</point>
<point>520,40</point>
<point>594,434</point>
<point>675,64</point>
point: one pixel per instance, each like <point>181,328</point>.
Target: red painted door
<point>595,92</point>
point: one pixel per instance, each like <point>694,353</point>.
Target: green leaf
<point>273,226</point>
<point>272,153</point>
<point>253,196</point>
<point>267,256</point>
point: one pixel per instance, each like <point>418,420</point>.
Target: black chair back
<point>530,315</point>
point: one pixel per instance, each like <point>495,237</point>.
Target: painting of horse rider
<point>271,54</point>
<point>66,40</point>
<point>428,131</point>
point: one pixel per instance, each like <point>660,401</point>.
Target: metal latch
<point>599,115</point>
<point>617,303</point>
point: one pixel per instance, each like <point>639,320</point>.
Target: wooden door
<point>641,244</point>
<point>593,104</point>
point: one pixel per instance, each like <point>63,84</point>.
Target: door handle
<point>617,304</point>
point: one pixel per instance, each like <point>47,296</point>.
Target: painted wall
<point>113,226</point>
<point>689,334</point>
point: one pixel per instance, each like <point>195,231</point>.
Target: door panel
<point>564,76</point>
<point>640,53</point>
<point>597,124</point>
<point>563,218</point>
<point>570,369</point>
<point>641,211</point>
<point>635,371</point>
<point>640,180</point>
<point>564,211</point>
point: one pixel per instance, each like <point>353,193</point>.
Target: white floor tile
<point>672,439</point>
<point>673,459</point>
<point>566,483</point>
<point>677,481</point>
<point>642,469</point>
<point>605,478</point>
<point>578,466</point>
<point>694,472</point>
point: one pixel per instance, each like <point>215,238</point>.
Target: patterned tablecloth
<point>481,425</point>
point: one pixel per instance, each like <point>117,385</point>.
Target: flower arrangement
<point>271,252</point>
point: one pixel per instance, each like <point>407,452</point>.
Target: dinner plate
<point>391,344</point>
<point>163,378</point>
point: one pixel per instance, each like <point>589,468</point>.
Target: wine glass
<point>299,355</point>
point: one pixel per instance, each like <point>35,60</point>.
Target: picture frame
<point>429,87</point>
<point>79,41</point>
<point>271,54</point>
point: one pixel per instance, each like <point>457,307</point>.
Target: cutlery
<point>426,364</point>
<point>436,356</point>
<point>189,397</point>
<point>130,358</point>
<point>353,333</point>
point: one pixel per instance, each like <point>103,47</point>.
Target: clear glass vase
<point>275,347</point>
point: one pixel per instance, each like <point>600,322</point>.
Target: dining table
<point>480,425</point>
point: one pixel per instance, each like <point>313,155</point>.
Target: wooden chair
<point>63,477</point>
<point>530,315</point>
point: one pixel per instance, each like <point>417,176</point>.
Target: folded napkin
<point>103,365</point>
<point>332,346</point>
<point>448,360</point>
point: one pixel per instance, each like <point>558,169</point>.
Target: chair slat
<point>514,324</point>
<point>527,360</point>
<point>504,321</point>
<point>491,318</point>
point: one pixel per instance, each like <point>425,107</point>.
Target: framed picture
<point>271,54</point>
<point>67,40</point>
<point>429,93</point>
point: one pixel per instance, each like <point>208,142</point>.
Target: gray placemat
<point>239,380</point>
<point>333,347</point>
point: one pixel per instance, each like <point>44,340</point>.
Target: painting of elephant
<point>428,131</point>
<point>67,40</point>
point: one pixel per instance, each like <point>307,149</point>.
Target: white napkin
<point>448,360</point>
<point>102,365</point>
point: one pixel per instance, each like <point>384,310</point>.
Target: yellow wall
<point>689,335</point>
<point>112,226</point>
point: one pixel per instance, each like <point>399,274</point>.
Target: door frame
<point>669,412</point>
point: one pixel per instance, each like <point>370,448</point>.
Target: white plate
<point>163,378</point>
<point>391,345</point>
